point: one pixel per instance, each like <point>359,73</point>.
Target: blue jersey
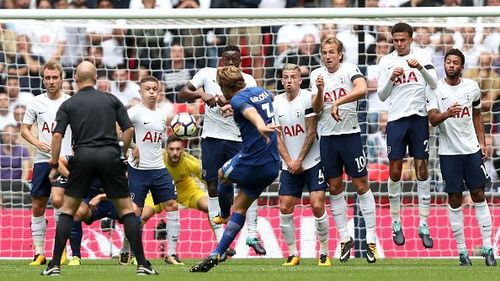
<point>255,150</point>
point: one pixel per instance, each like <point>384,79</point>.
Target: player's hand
<point>413,63</point>
<point>265,131</point>
<point>93,203</point>
<point>335,112</point>
<point>221,101</point>
<point>398,71</point>
<point>53,175</point>
<point>484,151</point>
<point>136,155</point>
<point>320,84</point>
<point>227,111</point>
<point>209,100</point>
<point>43,147</point>
<point>453,110</point>
<point>295,167</point>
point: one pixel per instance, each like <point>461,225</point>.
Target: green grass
<point>266,269</point>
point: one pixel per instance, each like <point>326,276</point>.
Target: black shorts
<point>103,163</point>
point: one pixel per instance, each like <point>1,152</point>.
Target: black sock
<point>134,236</point>
<point>63,231</point>
<point>75,240</point>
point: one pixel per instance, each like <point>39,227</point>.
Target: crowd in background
<point>122,56</point>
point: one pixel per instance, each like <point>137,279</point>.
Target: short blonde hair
<point>52,65</point>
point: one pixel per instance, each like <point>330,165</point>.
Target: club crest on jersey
<point>297,113</point>
<point>389,149</point>
<point>341,80</point>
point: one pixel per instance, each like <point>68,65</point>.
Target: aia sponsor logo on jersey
<point>403,79</point>
<point>48,129</point>
<point>293,130</point>
<point>464,113</point>
<point>152,137</point>
<point>334,95</point>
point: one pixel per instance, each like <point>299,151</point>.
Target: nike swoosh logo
<point>281,115</point>
<point>370,258</point>
<point>145,123</point>
<point>42,112</point>
<point>443,98</point>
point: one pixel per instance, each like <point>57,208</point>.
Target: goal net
<point>126,45</point>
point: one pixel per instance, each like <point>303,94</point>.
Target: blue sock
<point>75,240</point>
<point>225,192</point>
<point>233,227</point>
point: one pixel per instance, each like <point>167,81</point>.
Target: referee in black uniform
<point>92,116</point>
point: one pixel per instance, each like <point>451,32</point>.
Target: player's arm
<point>191,93</point>
<point>60,50</point>
<point>96,200</point>
<point>317,100</point>
<point>29,137</point>
<point>386,82</point>
<point>62,122</point>
<point>125,124</point>
<point>311,125</point>
<point>428,72</point>
<point>436,117</point>
<point>283,151</point>
<point>63,166</point>
<point>359,90</point>
<point>477,119</point>
<point>250,113</point>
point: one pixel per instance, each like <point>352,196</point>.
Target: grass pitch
<point>264,270</point>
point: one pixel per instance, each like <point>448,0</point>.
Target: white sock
<point>456,218</point>
<point>287,227</point>
<point>213,211</point>
<point>339,213</point>
<point>173,231</point>
<point>394,189</point>
<point>252,220</point>
<point>424,200</point>
<point>367,205</point>
<point>57,213</point>
<point>483,217</point>
<point>323,230</point>
<point>38,230</point>
<point>125,245</point>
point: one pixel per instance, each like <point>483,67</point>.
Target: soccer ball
<point>183,125</point>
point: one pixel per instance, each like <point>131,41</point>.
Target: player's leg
<point>75,240</point>
<point>476,175</point>
<point>40,191</point>
<point>211,161</point>
<point>314,179</point>
<point>396,149</point>
<point>452,171</point>
<point>418,136</point>
<point>290,189</point>
<point>57,195</point>
<point>367,206</point>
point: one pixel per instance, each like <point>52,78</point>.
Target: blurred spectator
<point>14,157</point>
<point>371,4</point>
<point>61,4</point>
<point>79,4</point>
<point>176,74</point>
<point>328,30</point>
<point>422,39</point>
<point>141,4</point>
<point>8,41</point>
<point>249,41</point>
<point>124,89</point>
<point>450,3</point>
<point>23,4</point>
<point>16,96</point>
<point>445,44</point>
<point>26,66</point>
<point>103,84</point>
<point>8,4</point>
<point>340,3</point>
<point>471,46</point>
<point>291,35</point>
<point>67,88</point>
<point>105,4</point>
<point>420,3</point>
<point>6,116</point>
<point>352,37</point>
<point>44,4</point>
<point>110,39</point>
<point>375,105</point>
<point>492,39</point>
<point>164,104</point>
<point>94,55</point>
<point>19,112</point>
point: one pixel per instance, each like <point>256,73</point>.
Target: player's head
<point>86,74</point>
<point>231,55</point>
<point>291,78</point>
<point>52,74</point>
<point>9,134</point>
<point>149,89</point>
<point>175,148</point>
<point>230,80</point>
<point>402,37</point>
<point>332,53</point>
<point>454,61</point>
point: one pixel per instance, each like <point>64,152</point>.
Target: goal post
<point>173,44</point>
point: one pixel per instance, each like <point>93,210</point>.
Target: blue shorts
<point>105,209</point>
<point>40,183</point>
<point>214,153</point>
<point>460,169</point>
<point>411,132</point>
<point>339,151</point>
<point>312,178</point>
<point>158,181</point>
<point>251,179</point>
<point>61,182</point>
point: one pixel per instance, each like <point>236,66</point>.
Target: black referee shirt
<point>92,116</point>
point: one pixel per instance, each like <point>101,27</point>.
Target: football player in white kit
<point>403,76</point>
<point>42,110</point>
<point>455,106</point>
<point>299,150</point>
<point>148,172</point>
<point>220,141</point>
<point>337,87</point>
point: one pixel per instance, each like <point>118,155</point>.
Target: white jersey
<point>149,127</point>
<point>291,116</point>
<point>42,110</point>
<point>456,134</point>
<point>214,124</point>
<point>337,85</point>
<point>408,93</point>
